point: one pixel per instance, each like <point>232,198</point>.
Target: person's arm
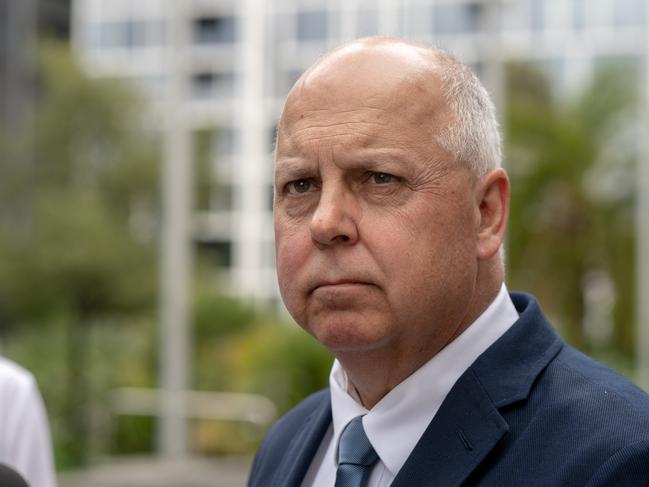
<point>30,445</point>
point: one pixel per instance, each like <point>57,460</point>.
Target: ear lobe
<point>493,207</point>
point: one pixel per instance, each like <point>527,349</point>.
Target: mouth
<point>340,283</point>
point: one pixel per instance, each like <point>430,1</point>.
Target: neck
<point>374,373</point>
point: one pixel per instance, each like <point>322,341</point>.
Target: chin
<point>348,336</point>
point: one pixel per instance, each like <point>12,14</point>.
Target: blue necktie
<point>355,455</point>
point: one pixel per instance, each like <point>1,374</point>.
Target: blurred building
<point>21,22</point>
<point>239,59</point>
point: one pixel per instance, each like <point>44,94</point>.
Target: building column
<point>251,180</point>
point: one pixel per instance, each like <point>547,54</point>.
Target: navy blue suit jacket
<point>530,411</point>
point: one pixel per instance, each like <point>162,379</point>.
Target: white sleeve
<point>25,442</point>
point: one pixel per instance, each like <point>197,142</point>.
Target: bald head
<point>426,85</point>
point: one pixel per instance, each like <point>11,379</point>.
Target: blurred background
<point>137,274</point>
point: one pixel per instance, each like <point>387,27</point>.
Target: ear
<point>493,205</point>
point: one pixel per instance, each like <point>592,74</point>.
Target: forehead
<point>384,127</point>
<point>362,87</point>
<point>365,97</point>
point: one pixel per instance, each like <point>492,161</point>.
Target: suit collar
<point>468,425</point>
<point>519,355</point>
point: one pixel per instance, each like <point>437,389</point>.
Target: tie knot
<point>354,447</point>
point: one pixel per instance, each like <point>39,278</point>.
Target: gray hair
<point>473,137</point>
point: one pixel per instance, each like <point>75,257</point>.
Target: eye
<point>299,186</point>
<point>382,178</point>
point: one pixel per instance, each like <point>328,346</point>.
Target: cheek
<point>291,252</point>
<point>291,247</point>
<point>427,253</point>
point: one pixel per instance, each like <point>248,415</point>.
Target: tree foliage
<point>77,194</point>
<point>571,162</point>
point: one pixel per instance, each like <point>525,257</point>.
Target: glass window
<point>202,85</point>
<point>537,14</point>
<point>221,197</point>
<point>628,12</point>
<point>514,16</point>
<point>122,34</point>
<point>456,19</point>
<point>312,25</point>
<point>135,33</point>
<point>214,30</point>
<point>206,85</point>
<point>112,34</point>
<point>579,14</point>
<point>219,252</point>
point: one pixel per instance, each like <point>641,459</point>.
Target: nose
<point>334,220</point>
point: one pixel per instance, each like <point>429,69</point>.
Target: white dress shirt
<point>397,422</point>
<point>25,443</point>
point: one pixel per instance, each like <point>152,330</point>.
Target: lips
<point>339,283</point>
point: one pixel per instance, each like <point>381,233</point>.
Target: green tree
<point>78,196</point>
<point>572,200</point>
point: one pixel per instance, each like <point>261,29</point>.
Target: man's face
<point>375,225</point>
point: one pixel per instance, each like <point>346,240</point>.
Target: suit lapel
<point>463,432</point>
<point>469,425</point>
<point>303,447</point>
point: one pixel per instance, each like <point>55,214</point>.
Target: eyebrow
<point>372,163</point>
<point>290,169</point>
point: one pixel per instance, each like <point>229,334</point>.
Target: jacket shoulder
<point>600,393</point>
<point>570,420</point>
<point>285,428</point>
<point>272,450</point>
<point>582,424</point>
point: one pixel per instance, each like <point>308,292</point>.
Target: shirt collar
<point>395,424</point>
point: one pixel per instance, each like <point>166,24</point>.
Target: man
<point>25,443</point>
<point>390,212</point>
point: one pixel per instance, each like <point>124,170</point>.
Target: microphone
<point>10,478</point>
